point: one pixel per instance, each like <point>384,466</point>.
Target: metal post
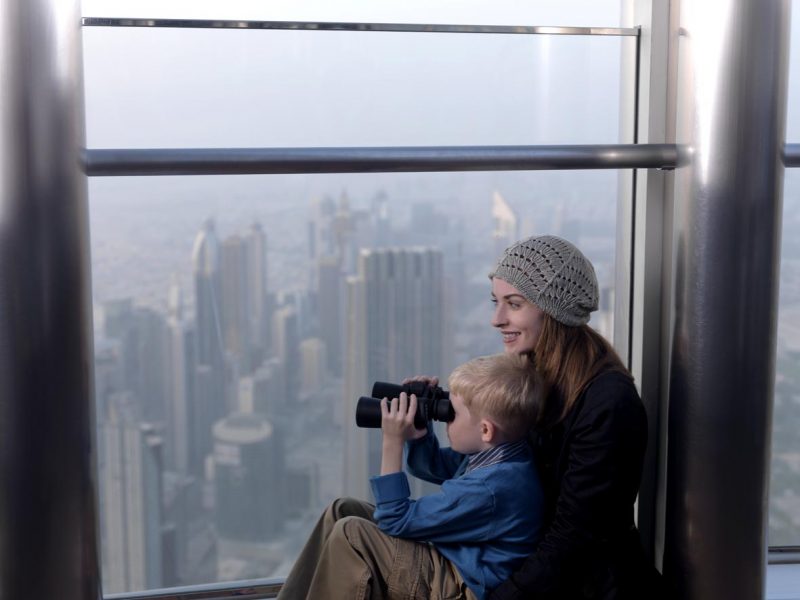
<point>48,543</point>
<point>731,109</point>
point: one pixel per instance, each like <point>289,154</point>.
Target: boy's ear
<point>488,431</point>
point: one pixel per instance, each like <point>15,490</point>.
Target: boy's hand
<point>397,423</point>
<point>397,418</point>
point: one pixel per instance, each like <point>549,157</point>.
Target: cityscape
<point>226,391</point>
<point>225,413</point>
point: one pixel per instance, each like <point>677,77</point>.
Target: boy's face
<point>464,432</point>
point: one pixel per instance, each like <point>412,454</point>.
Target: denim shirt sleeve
<point>425,459</point>
<point>462,511</point>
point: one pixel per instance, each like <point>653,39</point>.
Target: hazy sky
<point>168,87</point>
<point>280,88</point>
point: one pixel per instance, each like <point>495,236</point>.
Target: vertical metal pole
<point>48,546</point>
<point>731,110</point>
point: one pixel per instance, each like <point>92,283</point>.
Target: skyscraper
<point>210,385</point>
<point>285,345</point>
<point>329,310</point>
<point>181,453</point>
<point>248,474</point>
<point>142,336</point>
<point>313,364</point>
<point>394,330</point>
<point>506,224</point>
<point>235,300</point>
<point>258,309</point>
<point>208,297</point>
<point>131,499</point>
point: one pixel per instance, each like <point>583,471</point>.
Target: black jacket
<point>590,465</point>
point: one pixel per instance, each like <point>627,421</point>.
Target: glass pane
<point>257,88</point>
<point>238,319</point>
<point>784,505</point>
<point>578,13</point>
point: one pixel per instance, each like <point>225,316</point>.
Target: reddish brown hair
<point>568,358</point>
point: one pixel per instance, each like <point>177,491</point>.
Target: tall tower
<point>180,449</point>
<point>258,311</point>
<point>235,299</point>
<point>321,239</point>
<point>131,499</point>
<point>210,372</point>
<point>286,347</point>
<point>208,297</point>
<point>506,224</point>
<point>329,310</point>
<point>394,330</point>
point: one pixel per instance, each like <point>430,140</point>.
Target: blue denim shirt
<point>486,522</point>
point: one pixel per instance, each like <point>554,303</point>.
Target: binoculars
<point>433,403</point>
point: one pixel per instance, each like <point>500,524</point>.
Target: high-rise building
<point>131,499</point>
<point>142,336</point>
<point>249,474</point>
<point>235,299</point>
<point>329,310</point>
<point>394,330</point>
<point>285,346</point>
<point>208,297</point>
<point>313,365</point>
<point>506,224</point>
<point>258,308</point>
<point>264,391</point>
<point>180,451</point>
<point>211,372</point>
<point>321,239</point>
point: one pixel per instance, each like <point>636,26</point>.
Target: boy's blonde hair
<point>505,388</point>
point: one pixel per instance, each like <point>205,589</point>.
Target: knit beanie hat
<point>552,274</point>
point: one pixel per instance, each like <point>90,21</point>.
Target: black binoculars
<point>433,403</point>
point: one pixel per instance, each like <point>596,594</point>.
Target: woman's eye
<point>493,301</point>
<point>514,305</point>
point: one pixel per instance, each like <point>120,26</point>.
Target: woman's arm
<point>605,449</point>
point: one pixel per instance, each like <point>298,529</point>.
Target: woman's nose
<point>499,317</point>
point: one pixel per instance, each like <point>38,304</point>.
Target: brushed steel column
<point>48,543</point>
<point>731,110</point>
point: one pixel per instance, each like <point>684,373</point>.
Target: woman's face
<point>519,321</point>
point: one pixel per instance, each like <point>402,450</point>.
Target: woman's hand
<point>426,379</point>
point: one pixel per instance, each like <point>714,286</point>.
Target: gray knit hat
<point>552,274</point>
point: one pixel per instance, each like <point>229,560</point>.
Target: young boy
<point>475,531</point>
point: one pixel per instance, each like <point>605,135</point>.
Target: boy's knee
<point>345,507</point>
<point>350,529</point>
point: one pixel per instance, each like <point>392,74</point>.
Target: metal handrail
<point>791,156</point>
<point>251,161</point>
<point>335,26</point>
<point>253,589</point>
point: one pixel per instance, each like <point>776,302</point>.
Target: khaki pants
<point>348,557</point>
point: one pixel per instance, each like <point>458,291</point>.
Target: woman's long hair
<point>568,358</point>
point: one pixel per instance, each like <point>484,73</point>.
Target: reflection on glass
<point>239,319</point>
<point>784,502</point>
<point>784,505</point>
<point>229,88</point>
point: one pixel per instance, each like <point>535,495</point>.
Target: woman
<point>589,443</point>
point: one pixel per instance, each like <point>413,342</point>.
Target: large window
<point>784,514</point>
<point>237,319</point>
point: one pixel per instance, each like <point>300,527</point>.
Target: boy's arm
<point>426,460</point>
<point>462,511</point>
<point>397,425</point>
